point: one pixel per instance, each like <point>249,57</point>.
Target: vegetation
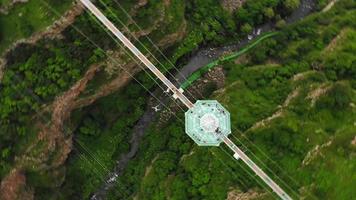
<point>254,92</point>
<point>93,135</point>
<point>318,50</point>
<point>25,19</point>
<point>28,84</point>
<point>195,38</point>
<point>197,74</point>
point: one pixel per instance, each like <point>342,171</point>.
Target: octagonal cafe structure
<point>206,122</point>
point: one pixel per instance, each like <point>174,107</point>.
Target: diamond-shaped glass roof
<point>205,120</point>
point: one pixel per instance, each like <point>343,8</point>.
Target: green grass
<point>4,2</point>
<point>288,139</point>
<point>35,16</point>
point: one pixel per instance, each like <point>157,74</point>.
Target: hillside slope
<point>292,101</point>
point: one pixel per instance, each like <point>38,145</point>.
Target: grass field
<point>310,142</point>
<point>4,2</point>
<point>25,19</point>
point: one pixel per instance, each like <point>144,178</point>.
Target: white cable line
<point>124,70</point>
<point>265,155</point>
<point>94,169</point>
<point>106,171</point>
<point>153,44</point>
<point>103,17</point>
<point>157,48</point>
<point>139,28</point>
<point>38,100</point>
<point>134,59</point>
<point>256,178</point>
<point>266,166</point>
<point>101,175</point>
<point>118,65</point>
<point>133,49</point>
<point>274,163</point>
<point>228,168</point>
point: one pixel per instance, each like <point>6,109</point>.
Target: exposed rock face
<point>141,3</point>
<point>353,142</point>
<point>238,195</point>
<point>13,187</point>
<point>316,93</point>
<point>232,5</point>
<point>315,152</point>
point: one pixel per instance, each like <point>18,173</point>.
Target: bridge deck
<point>109,25</point>
<point>177,93</point>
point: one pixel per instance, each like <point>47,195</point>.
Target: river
<point>198,60</point>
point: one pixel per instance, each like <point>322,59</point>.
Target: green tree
<point>281,23</point>
<point>291,4</point>
<point>246,28</point>
<point>337,98</point>
<point>25,28</point>
<point>89,127</point>
<point>268,12</point>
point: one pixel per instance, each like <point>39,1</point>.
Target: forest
<point>306,74</point>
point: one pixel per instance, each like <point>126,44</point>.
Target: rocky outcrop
<point>14,187</point>
<point>249,195</point>
<point>314,95</point>
<point>232,5</point>
<point>315,152</point>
